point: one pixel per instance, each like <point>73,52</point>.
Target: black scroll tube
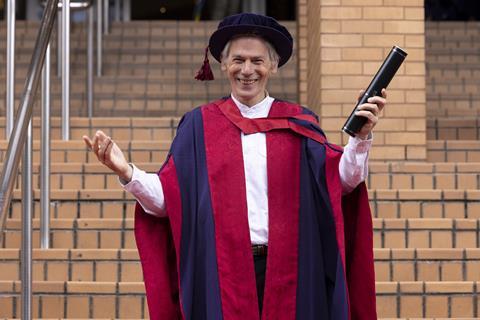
<point>381,80</point>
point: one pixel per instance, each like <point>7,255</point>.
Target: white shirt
<point>353,169</point>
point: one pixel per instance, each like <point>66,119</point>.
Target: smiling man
<point>254,214</point>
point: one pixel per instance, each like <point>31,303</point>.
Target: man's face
<point>248,67</point>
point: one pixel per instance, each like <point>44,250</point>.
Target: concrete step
<point>139,105</point>
<point>100,196</point>
<point>109,233</point>
<point>447,299</point>
<point>455,55</point>
<point>133,65</point>
<point>460,41</point>
<point>76,150</point>
<point>77,299</point>
<point>182,28</point>
<point>426,233</point>
<point>466,128</point>
<point>458,86</point>
<point>78,233</point>
<point>421,264</point>
<point>150,84</point>
<point>423,175</point>
<point>95,265</point>
<point>458,151</point>
<point>452,27</point>
<point>449,102</point>
<point>425,203</point>
<point>99,265</point>
<point>453,151</point>
<point>72,299</point>
<point>452,180</point>
<point>120,128</point>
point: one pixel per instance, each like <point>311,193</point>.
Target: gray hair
<point>272,53</point>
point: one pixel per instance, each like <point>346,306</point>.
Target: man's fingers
<point>370,107</point>
<point>88,142</point>
<point>95,144</point>
<point>360,94</point>
<point>383,93</point>
<point>100,141</point>
<point>379,101</point>
<point>367,114</point>
<point>106,145</point>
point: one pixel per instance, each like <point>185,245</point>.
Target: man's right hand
<point>109,154</point>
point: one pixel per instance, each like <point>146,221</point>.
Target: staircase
<point>426,214</point>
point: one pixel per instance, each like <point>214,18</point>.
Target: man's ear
<point>274,68</point>
<point>223,66</point>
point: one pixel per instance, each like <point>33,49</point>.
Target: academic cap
<point>247,24</point>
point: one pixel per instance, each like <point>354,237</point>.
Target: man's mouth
<point>247,81</point>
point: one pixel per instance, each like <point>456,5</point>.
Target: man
<point>247,221</point>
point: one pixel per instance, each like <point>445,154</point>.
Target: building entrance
<point>210,9</point>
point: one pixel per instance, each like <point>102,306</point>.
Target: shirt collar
<point>259,110</point>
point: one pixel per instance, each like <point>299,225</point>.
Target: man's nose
<point>247,67</point>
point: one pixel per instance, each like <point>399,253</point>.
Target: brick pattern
<point>117,232</point>
<point>424,203</point>
<point>453,151</point>
<point>149,69</point>
<point>108,265</point>
<point>346,42</point>
<point>77,299</point>
<point>428,299</point>
<point>426,233</point>
<point>453,69</point>
<point>419,264</point>
<point>426,214</point>
<point>423,175</point>
<point>122,265</point>
<point>453,129</point>
<point>121,128</point>
<point>78,233</point>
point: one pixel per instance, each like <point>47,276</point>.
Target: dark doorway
<point>185,9</point>
<point>20,8</point>
<point>282,9</point>
<point>459,10</point>
<point>164,10</point>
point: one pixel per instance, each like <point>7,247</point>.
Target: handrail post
<point>99,38</point>
<point>45,156</point>
<point>65,69</point>
<point>106,16</point>
<point>10,83</point>
<point>126,10</point>
<point>59,46</point>
<point>118,6</point>
<point>90,17</point>
<point>24,113</point>
<point>27,201</point>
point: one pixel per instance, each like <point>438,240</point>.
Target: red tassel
<point>205,72</point>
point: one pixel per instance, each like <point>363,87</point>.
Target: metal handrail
<point>74,5</point>
<point>24,114</point>
<point>10,84</point>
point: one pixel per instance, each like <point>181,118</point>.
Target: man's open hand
<point>109,154</point>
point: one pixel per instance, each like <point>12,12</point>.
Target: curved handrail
<point>24,114</point>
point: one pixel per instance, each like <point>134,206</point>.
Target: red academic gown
<point>198,263</point>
